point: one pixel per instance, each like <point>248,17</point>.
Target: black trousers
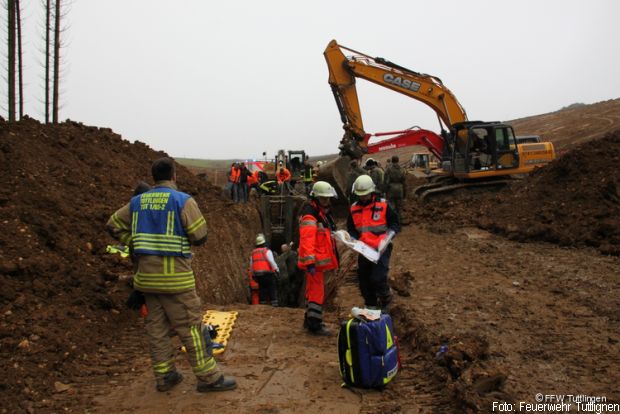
<point>373,279</point>
<point>267,289</point>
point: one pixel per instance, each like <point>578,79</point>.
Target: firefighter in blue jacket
<point>160,225</point>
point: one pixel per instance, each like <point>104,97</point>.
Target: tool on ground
<point>224,321</point>
<point>120,249</point>
<point>218,324</point>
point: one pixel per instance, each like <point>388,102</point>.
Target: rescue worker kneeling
<point>265,272</point>
<point>317,252</point>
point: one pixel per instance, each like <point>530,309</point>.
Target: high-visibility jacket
<point>156,227</point>
<point>370,221</point>
<point>235,174</point>
<point>165,273</point>
<point>315,241</point>
<point>283,175</point>
<point>253,178</point>
<point>260,263</point>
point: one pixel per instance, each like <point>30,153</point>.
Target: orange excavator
<point>473,153</point>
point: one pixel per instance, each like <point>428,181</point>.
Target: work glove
<point>311,269</point>
<point>135,300</point>
<point>277,275</point>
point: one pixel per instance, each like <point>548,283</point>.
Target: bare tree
<point>11,58</point>
<point>55,102</point>
<point>48,11</point>
<point>20,58</point>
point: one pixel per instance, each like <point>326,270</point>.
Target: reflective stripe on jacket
<point>156,227</point>
<point>308,174</point>
<point>371,221</point>
<point>260,264</point>
<point>315,242</point>
<point>162,274</point>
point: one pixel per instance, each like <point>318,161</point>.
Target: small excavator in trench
<point>472,153</point>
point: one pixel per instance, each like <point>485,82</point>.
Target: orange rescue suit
<point>371,221</point>
<point>254,300</point>
<point>315,242</point>
<point>283,175</point>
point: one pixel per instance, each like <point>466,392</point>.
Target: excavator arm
<point>409,137</point>
<point>343,71</point>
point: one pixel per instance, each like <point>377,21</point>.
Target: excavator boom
<point>343,71</point>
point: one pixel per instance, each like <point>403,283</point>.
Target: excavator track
<point>432,189</point>
<point>435,182</point>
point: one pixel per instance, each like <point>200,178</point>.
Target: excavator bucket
<point>336,172</point>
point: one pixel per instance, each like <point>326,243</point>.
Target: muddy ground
<point>520,313</point>
<point>518,319</point>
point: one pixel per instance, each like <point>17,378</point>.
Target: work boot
<point>167,382</point>
<point>222,384</point>
<point>322,331</point>
<point>386,302</point>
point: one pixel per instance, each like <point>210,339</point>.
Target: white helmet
<point>323,189</point>
<point>363,185</point>
<point>260,239</point>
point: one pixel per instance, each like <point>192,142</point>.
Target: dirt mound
<point>572,202</point>
<point>61,301</point>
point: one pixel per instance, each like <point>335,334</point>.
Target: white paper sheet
<point>362,248</point>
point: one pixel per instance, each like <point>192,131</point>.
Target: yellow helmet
<point>323,189</point>
<point>363,185</point>
<point>260,239</point>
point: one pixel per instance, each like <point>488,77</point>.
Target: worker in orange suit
<point>235,176</point>
<point>284,178</point>
<point>253,181</point>
<point>252,289</point>
<point>265,271</point>
<point>317,253</point>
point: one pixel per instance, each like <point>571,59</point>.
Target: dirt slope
<point>572,126</point>
<point>61,301</point>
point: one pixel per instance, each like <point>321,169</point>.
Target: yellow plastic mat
<point>224,322</point>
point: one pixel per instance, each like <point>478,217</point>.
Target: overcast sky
<point>231,79</point>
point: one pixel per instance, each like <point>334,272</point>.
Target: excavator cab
<point>484,146</point>
<point>296,162</point>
